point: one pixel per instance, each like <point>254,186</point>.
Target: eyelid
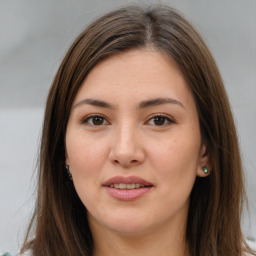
<point>170,119</point>
<point>85,119</point>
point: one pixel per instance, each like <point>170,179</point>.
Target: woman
<point>139,152</point>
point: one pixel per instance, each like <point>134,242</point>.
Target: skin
<point>128,140</point>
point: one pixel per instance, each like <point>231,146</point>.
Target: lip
<point>127,180</point>
<point>127,194</point>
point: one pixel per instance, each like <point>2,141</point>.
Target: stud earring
<point>205,169</point>
<point>68,172</point>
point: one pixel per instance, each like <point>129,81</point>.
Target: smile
<point>127,186</point>
<point>130,182</point>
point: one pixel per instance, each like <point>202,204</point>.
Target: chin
<point>130,228</point>
<point>123,223</point>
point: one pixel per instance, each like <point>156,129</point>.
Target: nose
<point>126,149</point>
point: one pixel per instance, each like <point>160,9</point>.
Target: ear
<point>203,163</point>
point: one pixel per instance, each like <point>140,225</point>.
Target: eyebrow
<point>143,104</point>
<point>159,101</point>
<point>94,102</point>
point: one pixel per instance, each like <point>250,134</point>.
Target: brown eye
<point>95,120</point>
<point>160,120</point>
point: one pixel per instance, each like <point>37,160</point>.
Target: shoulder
<point>252,244</point>
<point>9,254</point>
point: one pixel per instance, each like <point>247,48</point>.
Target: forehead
<point>134,75</point>
<point>136,64</point>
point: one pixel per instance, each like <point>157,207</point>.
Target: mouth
<point>127,188</point>
<point>131,182</point>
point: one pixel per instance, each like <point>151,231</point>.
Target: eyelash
<point>167,120</point>
<point>89,118</point>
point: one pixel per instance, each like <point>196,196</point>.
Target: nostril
<point>125,163</point>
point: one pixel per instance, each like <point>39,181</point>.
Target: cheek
<point>176,160</point>
<point>86,159</point>
<point>85,156</point>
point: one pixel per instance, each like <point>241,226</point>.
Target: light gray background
<point>34,35</point>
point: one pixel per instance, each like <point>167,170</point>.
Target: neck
<point>162,242</point>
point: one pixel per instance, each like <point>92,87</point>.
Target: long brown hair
<point>59,225</point>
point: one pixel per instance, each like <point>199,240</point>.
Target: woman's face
<point>133,143</point>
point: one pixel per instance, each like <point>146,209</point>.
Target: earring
<point>68,172</point>
<point>205,169</point>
